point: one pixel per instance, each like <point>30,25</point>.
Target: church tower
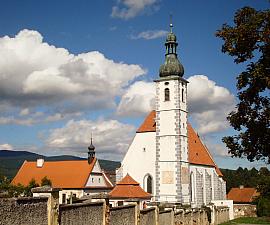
<point>172,167</point>
<point>91,152</point>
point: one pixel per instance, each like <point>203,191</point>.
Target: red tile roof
<point>198,153</point>
<point>128,188</point>
<point>149,123</point>
<point>242,195</point>
<point>63,174</point>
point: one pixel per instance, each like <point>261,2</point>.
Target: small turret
<point>172,66</point>
<point>91,151</point>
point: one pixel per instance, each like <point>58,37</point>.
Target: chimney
<point>40,163</point>
<point>241,187</point>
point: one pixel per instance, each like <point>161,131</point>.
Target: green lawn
<point>249,220</point>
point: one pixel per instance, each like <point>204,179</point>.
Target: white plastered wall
<point>140,158</point>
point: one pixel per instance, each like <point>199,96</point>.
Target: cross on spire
<point>171,25</point>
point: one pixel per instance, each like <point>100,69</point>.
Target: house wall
<point>96,180</point>
<point>78,192</point>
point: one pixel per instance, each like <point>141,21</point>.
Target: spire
<point>171,25</point>
<point>172,66</point>
<point>91,151</point>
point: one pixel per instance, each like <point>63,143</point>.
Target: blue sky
<point>69,68</point>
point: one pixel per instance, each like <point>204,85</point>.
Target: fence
<point>41,211</point>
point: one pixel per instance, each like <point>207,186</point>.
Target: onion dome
<point>172,66</point>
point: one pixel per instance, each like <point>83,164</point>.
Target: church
<point>166,156</point>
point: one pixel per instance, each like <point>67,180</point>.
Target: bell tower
<point>91,151</point>
<point>172,167</point>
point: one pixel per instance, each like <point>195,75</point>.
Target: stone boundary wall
<point>23,211</point>
<point>36,211</point>
<point>82,213</point>
<point>221,214</point>
<point>166,217</point>
<point>242,210</point>
<point>149,216</point>
<point>124,215</point>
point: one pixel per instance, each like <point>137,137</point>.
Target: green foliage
<point>45,181</point>
<point>17,190</point>
<point>248,42</point>
<point>263,206</point>
<point>248,178</point>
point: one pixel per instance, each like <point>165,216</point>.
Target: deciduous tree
<point>248,41</point>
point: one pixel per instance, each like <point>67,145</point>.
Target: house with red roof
<point>128,190</point>
<point>167,157</point>
<point>74,178</point>
<point>243,195</point>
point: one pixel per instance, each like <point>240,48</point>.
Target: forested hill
<point>248,178</point>
<point>11,161</point>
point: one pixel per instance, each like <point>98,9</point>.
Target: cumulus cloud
<point>35,74</point>
<point>138,99</point>
<point>150,34</point>
<point>126,9</point>
<point>208,103</point>
<point>6,147</point>
<point>218,149</point>
<point>111,138</point>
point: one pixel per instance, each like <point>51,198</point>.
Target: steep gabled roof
<point>128,188</point>
<point>149,124</point>
<point>242,195</point>
<point>198,153</point>
<point>63,174</point>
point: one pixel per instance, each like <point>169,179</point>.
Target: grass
<point>249,220</point>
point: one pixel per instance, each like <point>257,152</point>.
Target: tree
<point>32,184</point>
<point>263,207</point>
<point>248,41</point>
<point>46,181</point>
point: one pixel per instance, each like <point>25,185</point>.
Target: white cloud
<point>24,112</point>
<point>6,147</point>
<point>35,74</point>
<point>126,9</point>
<point>111,138</point>
<point>208,103</point>
<point>150,34</point>
<point>138,99</point>
<point>218,149</point>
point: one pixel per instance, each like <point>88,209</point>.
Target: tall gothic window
<point>149,184</point>
<point>167,94</point>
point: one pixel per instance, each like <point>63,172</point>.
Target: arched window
<point>148,183</point>
<point>167,94</point>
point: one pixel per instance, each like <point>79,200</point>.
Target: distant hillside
<point>11,161</point>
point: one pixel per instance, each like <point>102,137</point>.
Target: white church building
<point>166,156</point>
